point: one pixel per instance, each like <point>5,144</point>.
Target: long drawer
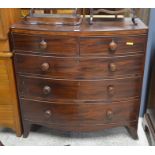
<point>112,45</point>
<point>79,68</point>
<point>45,44</point>
<point>71,115</point>
<point>108,90</point>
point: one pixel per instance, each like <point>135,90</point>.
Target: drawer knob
<point>112,67</point>
<point>43,44</point>
<point>46,90</point>
<point>48,113</point>
<point>45,67</point>
<point>109,114</point>
<point>113,46</point>
<point>111,90</point>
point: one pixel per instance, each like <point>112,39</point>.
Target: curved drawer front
<point>79,68</point>
<point>112,45</point>
<point>108,90</point>
<point>45,44</point>
<point>71,115</point>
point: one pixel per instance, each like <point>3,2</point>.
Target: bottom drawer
<point>78,114</point>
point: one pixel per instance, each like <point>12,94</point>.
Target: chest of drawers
<point>80,78</point>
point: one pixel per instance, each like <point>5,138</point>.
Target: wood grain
<point>55,45</point>
<point>80,67</point>
<point>124,88</point>
<point>9,110</point>
<point>100,45</point>
<point>82,78</point>
<point>7,17</point>
<point>75,117</point>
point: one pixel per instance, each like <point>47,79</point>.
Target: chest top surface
<point>119,27</point>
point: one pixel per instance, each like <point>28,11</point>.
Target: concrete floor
<point>111,137</point>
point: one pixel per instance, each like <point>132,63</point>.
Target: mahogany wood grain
<point>52,44</point>
<point>79,115</point>
<point>101,45</point>
<point>124,88</point>
<point>79,67</point>
<point>80,78</point>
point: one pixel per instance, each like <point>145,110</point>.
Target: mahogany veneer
<point>80,78</point>
<point>108,89</point>
<point>83,68</point>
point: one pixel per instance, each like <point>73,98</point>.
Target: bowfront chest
<point>80,78</point>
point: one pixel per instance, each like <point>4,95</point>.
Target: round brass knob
<point>109,114</point>
<point>46,90</point>
<point>113,46</point>
<point>43,44</point>
<point>45,67</point>
<point>112,67</point>
<point>48,113</point>
<point>111,90</point>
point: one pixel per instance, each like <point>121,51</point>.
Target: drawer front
<point>80,114</point>
<point>46,44</point>
<point>112,45</point>
<point>108,90</point>
<point>82,68</point>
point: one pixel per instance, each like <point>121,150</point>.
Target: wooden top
<point>108,27</point>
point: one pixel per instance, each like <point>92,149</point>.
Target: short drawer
<point>112,45</point>
<point>79,68</point>
<point>45,44</point>
<point>107,90</point>
<point>71,115</point>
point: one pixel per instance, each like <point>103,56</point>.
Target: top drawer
<point>42,44</point>
<point>112,45</point>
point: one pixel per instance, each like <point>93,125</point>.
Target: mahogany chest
<point>80,78</point>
